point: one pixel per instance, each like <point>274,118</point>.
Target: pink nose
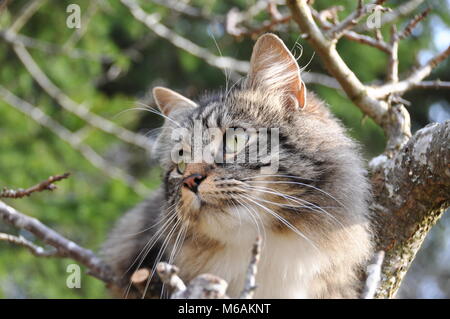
<point>193,181</point>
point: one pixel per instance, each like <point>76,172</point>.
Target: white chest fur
<point>286,269</point>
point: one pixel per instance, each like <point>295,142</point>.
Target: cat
<point>311,212</point>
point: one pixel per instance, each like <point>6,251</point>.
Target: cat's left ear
<point>169,101</point>
<point>273,68</point>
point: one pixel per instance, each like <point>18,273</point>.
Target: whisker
<point>301,201</point>
<point>148,246</point>
<point>254,219</point>
<point>151,110</point>
<point>283,220</point>
<point>160,254</point>
<point>302,184</point>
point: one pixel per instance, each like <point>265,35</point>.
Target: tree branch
<point>64,247</point>
<point>34,249</point>
<point>79,110</point>
<point>411,191</point>
<point>73,140</point>
<point>326,49</point>
<point>48,184</point>
<point>413,80</point>
<point>204,286</point>
<point>250,278</point>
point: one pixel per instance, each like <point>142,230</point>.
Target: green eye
<point>235,142</point>
<point>181,167</point>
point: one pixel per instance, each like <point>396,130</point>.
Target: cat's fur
<point>319,168</point>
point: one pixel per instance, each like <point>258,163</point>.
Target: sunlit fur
<point>311,214</point>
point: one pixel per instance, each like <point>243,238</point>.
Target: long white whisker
<point>148,109</point>
<point>160,254</point>
<point>258,229</point>
<point>283,220</point>
<point>302,184</point>
<point>300,201</point>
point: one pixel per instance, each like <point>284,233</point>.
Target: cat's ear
<point>168,100</point>
<point>274,68</point>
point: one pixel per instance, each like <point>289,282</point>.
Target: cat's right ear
<point>273,68</point>
<point>169,101</point>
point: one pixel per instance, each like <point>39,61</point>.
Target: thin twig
<point>392,69</point>
<point>235,17</point>
<point>48,184</point>
<point>250,278</point>
<point>413,80</point>
<point>152,22</point>
<point>34,249</point>
<point>352,35</point>
<point>25,14</point>
<point>413,23</point>
<point>51,48</point>
<point>437,84</point>
<point>373,276</point>
<point>338,30</point>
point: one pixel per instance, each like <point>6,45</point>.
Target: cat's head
<point>262,154</point>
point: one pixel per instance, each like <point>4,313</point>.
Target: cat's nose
<point>193,181</point>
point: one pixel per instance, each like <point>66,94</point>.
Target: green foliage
<point>84,207</point>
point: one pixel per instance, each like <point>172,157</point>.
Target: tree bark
<point>411,192</point>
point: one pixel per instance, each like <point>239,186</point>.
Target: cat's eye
<point>235,141</point>
<point>181,167</point>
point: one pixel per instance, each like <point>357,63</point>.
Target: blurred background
<point>55,77</point>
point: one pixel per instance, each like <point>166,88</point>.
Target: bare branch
<point>75,108</point>
<point>392,72</point>
<point>326,49</point>
<point>48,184</point>
<point>152,22</point>
<point>338,30</point>
<point>34,249</point>
<point>51,48</point>
<point>413,23</point>
<point>29,9</point>
<point>365,39</point>
<point>413,80</point>
<point>411,192</point>
<point>235,17</point>
<point>352,35</point>
<point>373,276</point>
<point>437,84</point>
<point>184,8</point>
<point>139,279</point>
<point>64,247</point>
<point>204,286</point>
<point>73,140</point>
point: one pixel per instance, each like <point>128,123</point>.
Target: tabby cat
<point>310,211</point>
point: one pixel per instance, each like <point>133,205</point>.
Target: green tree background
<point>85,206</point>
